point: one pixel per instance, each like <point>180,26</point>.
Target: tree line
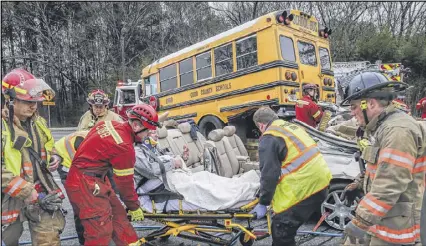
<point>79,46</point>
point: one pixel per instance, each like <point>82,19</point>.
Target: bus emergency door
<point>309,67</point>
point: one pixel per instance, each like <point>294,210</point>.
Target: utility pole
<point>122,52</point>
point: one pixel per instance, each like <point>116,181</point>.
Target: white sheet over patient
<point>213,192</point>
<point>204,190</point>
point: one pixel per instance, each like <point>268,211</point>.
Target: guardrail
<point>63,128</point>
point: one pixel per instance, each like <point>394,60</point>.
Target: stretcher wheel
<point>245,240</point>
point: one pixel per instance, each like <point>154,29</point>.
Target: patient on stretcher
<point>203,190</point>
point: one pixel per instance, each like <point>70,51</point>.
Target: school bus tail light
<point>287,75</point>
<point>293,76</point>
<point>285,18</point>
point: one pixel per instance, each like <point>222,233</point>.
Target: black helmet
<point>372,85</point>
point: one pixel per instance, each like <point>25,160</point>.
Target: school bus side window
<point>246,52</point>
<point>307,53</point>
<point>287,49</point>
<point>204,66</point>
<point>324,58</point>
<point>223,59</point>
<point>151,85</point>
<point>186,72</point>
<point>168,78</point>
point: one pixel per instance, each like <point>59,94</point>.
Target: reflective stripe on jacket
<point>64,147</point>
<point>304,171</point>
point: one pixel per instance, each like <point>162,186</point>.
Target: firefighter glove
<point>259,211</point>
<point>136,215</point>
<point>50,202</point>
<point>350,193</point>
<point>363,143</point>
<point>356,230</point>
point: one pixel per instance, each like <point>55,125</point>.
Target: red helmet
<point>98,97</point>
<point>145,114</point>
<point>26,86</point>
<point>309,86</point>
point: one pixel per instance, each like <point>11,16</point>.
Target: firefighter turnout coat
<point>394,177</point>
<point>88,120</point>
<point>21,174</point>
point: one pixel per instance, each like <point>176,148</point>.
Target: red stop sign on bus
<point>153,102</point>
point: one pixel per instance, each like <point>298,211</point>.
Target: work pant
<point>286,224</point>
<point>101,213</point>
<point>78,226</point>
<point>44,232</point>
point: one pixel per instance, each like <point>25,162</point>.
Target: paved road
<point>304,240</point>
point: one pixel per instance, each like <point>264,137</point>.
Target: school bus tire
<point>210,123</point>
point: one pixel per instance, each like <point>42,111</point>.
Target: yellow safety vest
<point>304,171</point>
<point>13,157</point>
<point>65,148</point>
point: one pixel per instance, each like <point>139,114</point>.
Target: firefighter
<point>307,110</point>
<point>393,147</point>
<point>98,110</point>
<point>109,144</point>
<point>29,192</point>
<point>66,147</point>
<point>421,105</point>
<point>294,175</point>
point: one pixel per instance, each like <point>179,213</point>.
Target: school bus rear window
<point>307,53</point>
<point>287,49</point>
<point>324,58</point>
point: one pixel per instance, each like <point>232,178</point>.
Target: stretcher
<point>223,227</point>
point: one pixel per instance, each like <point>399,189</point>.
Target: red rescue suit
<point>420,105</point>
<point>109,143</point>
<point>308,111</point>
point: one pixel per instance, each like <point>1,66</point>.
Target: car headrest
<point>216,135</point>
<point>229,130</point>
<point>170,123</point>
<point>162,132</point>
<point>184,127</point>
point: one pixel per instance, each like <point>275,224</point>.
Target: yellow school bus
<point>224,79</point>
